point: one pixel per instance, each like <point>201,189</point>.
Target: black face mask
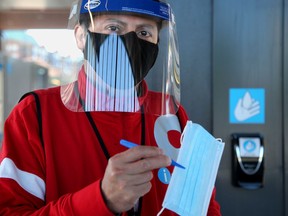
<point>142,54</point>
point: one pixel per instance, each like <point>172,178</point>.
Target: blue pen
<point>131,144</point>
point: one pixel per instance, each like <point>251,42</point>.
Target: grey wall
<point>248,53</point>
<point>285,104</point>
<point>238,44</point>
<point>194,26</point>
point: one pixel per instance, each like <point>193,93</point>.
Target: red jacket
<point>63,178</point>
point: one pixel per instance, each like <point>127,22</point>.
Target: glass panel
<point>54,49</point>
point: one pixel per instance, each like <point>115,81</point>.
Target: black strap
<point>38,112</point>
<point>142,126</point>
<point>99,137</point>
<point>97,133</point>
<point>143,132</point>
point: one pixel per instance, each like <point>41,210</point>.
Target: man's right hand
<point>128,175</point>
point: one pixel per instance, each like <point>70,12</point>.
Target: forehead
<point>128,19</point>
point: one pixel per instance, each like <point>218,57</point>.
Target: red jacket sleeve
<point>214,207</point>
<point>22,174</point>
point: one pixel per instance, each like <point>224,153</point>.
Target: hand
<point>246,108</point>
<point>128,175</point>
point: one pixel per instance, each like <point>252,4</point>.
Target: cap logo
<point>92,4</point>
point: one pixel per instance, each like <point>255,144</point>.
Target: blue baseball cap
<point>145,7</point>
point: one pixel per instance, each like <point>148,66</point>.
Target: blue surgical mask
<point>189,191</point>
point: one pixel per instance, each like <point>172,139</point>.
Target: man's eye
<point>144,34</point>
<point>113,28</point>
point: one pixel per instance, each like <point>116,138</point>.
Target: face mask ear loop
<point>183,133</point>
<point>161,211</point>
<point>91,17</point>
<point>219,140</point>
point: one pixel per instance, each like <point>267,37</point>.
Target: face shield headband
<point>145,7</point>
<point>123,72</point>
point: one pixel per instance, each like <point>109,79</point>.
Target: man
<point>71,162</point>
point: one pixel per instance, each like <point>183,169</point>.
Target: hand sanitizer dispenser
<point>248,160</point>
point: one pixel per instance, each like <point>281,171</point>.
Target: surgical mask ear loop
<point>161,211</point>
<point>91,17</point>
<point>182,135</point>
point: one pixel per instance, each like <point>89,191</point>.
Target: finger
<point>147,164</point>
<point>254,109</point>
<point>119,167</point>
<point>239,103</point>
<point>253,113</point>
<point>138,179</point>
<point>142,189</point>
<point>120,161</point>
<point>255,104</point>
<point>131,195</point>
<point>140,152</point>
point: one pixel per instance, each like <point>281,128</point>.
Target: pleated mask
<point>189,191</point>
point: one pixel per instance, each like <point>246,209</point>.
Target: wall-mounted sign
<point>247,106</point>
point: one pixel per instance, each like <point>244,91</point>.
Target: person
<point>61,153</point>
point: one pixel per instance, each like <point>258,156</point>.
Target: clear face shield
<point>131,59</point>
